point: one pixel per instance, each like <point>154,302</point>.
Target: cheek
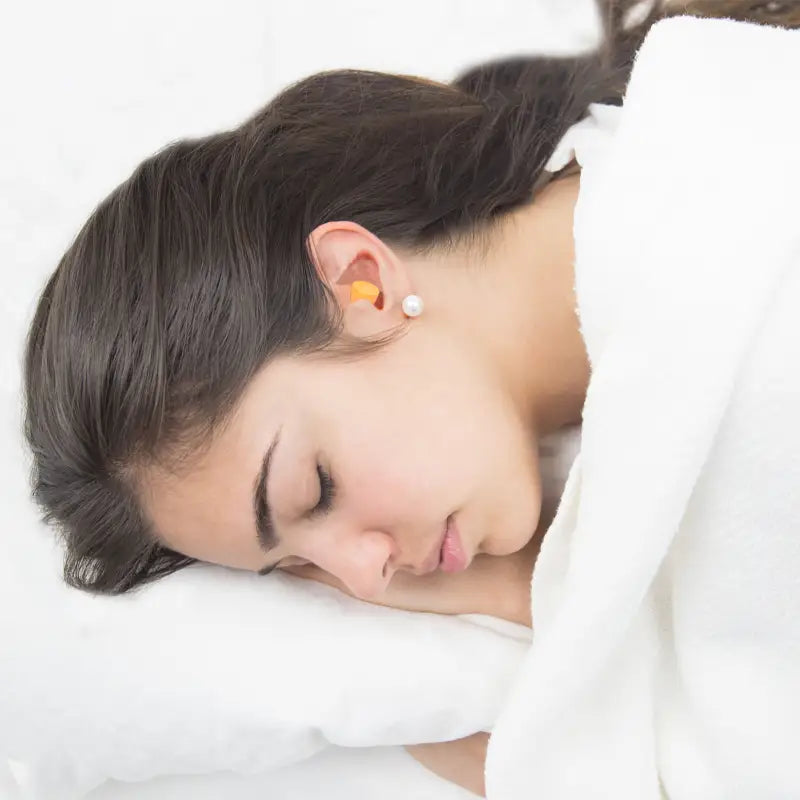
<point>389,479</point>
<point>516,504</point>
<point>384,484</point>
<point>420,454</point>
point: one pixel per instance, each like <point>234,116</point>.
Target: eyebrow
<point>267,537</point>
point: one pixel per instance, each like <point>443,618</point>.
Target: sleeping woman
<point>330,341</point>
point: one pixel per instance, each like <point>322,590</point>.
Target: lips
<point>454,557</point>
<point>448,554</point>
<point>434,557</point>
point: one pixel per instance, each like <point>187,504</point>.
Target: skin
<point>444,420</point>
<point>462,761</point>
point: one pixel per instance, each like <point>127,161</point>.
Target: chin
<point>513,525</point>
<point>510,543</point>
<point>502,546</point>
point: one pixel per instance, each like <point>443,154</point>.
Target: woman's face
<point>369,457</point>
<point>405,442</point>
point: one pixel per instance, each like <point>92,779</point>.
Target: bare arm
<point>461,761</point>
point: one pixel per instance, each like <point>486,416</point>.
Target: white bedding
<point>338,773</point>
<point>666,598</point>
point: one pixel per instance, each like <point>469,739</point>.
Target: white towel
<point>586,138</point>
<point>665,659</point>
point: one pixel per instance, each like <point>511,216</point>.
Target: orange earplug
<point>364,290</point>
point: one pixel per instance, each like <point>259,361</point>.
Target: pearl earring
<point>413,305</point>
<point>364,290</point>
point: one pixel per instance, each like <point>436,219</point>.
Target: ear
<point>343,252</point>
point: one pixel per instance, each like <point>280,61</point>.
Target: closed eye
<point>327,491</point>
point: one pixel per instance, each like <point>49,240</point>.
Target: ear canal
<point>364,290</point>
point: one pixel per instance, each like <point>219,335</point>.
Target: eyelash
<point>326,495</point>
<point>327,492</point>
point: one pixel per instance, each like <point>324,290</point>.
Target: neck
<point>548,367</point>
<point>517,304</point>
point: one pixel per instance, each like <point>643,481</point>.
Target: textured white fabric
<point>665,659</point>
<point>586,137</point>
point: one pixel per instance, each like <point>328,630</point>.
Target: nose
<point>363,561</point>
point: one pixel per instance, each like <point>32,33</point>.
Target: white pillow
<point>214,669</point>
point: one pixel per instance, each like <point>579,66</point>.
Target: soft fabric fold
<point>666,599</point>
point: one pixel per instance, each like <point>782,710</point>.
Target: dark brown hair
<point>193,273</point>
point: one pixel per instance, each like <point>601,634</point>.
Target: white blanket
<point>665,659</point>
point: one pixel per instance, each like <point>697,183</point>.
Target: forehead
<point>205,509</point>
